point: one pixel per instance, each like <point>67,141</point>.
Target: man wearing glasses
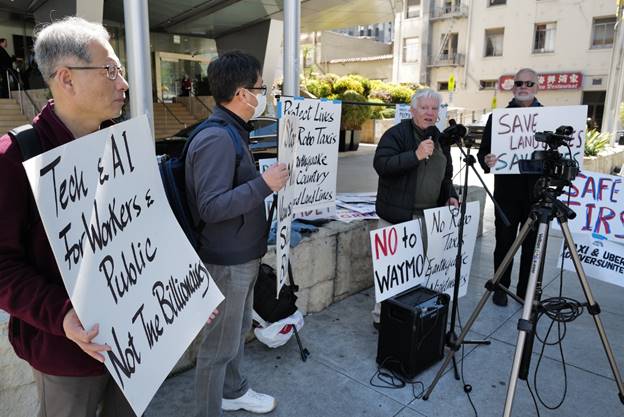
<point>514,193</point>
<point>88,90</point>
<point>226,195</point>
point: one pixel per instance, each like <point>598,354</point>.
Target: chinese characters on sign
<point>552,81</point>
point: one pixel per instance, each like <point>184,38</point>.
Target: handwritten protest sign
<point>125,262</point>
<point>398,258</point>
<point>600,259</point>
<point>263,165</point>
<point>402,259</point>
<point>288,148</point>
<point>316,163</point>
<point>402,111</point>
<point>513,133</point>
<point>598,201</point>
<point>442,241</point>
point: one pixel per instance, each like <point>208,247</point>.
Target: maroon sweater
<point>31,287</point>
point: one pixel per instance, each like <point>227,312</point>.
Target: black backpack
<point>266,304</point>
<point>28,142</point>
<point>173,178</point>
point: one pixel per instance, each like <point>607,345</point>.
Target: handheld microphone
<point>433,133</point>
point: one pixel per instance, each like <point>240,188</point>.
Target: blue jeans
<point>217,372</point>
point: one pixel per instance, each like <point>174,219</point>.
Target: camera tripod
<point>546,209</point>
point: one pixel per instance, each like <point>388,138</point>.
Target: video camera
<point>549,163</point>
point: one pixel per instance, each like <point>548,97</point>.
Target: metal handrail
<point>203,104</point>
<point>159,100</point>
<point>20,89</point>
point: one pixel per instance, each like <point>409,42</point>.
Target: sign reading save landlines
<point>125,262</point>
<point>513,133</point>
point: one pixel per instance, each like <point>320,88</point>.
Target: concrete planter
<point>372,129</point>
<point>605,161</point>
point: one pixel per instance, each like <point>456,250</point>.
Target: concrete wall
<point>606,161</point>
<point>9,27</point>
<point>374,70</point>
<point>338,46</point>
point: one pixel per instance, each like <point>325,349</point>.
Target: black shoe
<point>499,298</point>
<point>376,325</point>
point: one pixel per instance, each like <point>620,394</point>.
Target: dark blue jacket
<point>228,198</point>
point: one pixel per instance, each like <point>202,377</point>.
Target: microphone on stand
<point>453,134</point>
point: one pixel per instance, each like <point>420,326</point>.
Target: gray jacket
<point>227,198</point>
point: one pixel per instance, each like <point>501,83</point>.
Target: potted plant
<point>351,120</point>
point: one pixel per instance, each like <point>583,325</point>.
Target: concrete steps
<point>164,122</point>
<point>10,115</point>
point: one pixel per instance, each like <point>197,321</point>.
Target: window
<point>544,40</point>
<point>496,2</point>
<point>369,31</point>
<point>494,42</point>
<point>603,30</point>
<point>412,9</point>
<point>442,85</point>
<point>449,46</point>
<point>487,84</point>
<point>411,49</point>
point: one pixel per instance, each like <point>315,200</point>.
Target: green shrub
<point>596,142</point>
<point>401,94</point>
<point>348,83</point>
<point>622,113</point>
<point>353,115</point>
<point>318,87</point>
<point>376,111</point>
<point>388,113</point>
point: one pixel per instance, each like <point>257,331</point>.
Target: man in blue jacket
<point>226,194</point>
<point>513,192</point>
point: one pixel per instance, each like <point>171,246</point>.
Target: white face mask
<point>260,106</point>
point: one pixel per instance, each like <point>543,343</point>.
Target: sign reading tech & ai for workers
<point>125,261</point>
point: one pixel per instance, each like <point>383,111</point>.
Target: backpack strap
<point>237,140</point>
<point>28,142</point>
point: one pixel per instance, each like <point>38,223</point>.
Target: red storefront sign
<point>551,81</point>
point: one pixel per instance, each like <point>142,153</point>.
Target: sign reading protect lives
<point>125,262</point>
<point>513,133</point>
<point>316,164</point>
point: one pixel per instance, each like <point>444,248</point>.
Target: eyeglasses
<point>527,83</point>
<point>112,71</point>
<point>263,88</point>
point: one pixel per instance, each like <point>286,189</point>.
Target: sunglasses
<point>527,83</point>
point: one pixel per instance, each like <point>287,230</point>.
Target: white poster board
<point>513,133</point>
<point>398,258</point>
<point>125,262</point>
<point>601,259</point>
<point>442,241</point>
<point>598,201</point>
<point>400,261</point>
<point>287,153</point>
<point>263,165</point>
<point>316,163</point>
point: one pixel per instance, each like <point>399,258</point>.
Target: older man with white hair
<point>415,169</point>
<point>88,89</point>
<point>513,192</point>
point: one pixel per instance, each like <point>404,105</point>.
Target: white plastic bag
<point>277,334</point>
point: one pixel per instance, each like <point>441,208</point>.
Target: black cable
<point>533,397</point>
<point>393,380</point>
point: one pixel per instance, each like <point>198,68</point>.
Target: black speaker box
<point>412,331</point>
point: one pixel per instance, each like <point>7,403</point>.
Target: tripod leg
<point>473,317</point>
<point>593,308</point>
<point>524,324</point>
<point>455,369</point>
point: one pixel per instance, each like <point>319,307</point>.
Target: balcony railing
<point>451,10</point>
<point>447,60</point>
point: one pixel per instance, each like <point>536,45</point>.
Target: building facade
<point>479,44</point>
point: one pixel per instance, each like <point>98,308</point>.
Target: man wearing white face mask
<point>226,195</point>
<point>514,193</point>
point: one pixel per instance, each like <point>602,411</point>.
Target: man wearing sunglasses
<point>514,193</point>
<point>226,194</point>
<point>88,90</point>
